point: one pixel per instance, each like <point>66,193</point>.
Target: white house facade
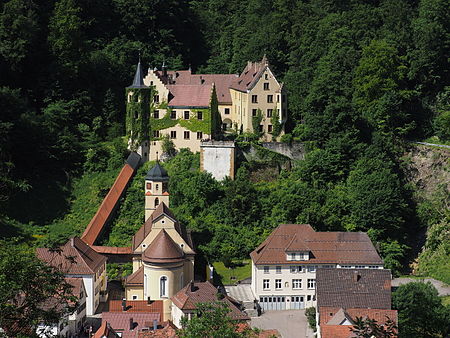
<point>284,266</point>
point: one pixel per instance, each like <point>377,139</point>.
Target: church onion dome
<point>163,250</point>
<point>157,173</point>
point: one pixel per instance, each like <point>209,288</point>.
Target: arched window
<point>163,286</point>
<point>156,202</point>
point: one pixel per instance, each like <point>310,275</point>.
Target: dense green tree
<point>31,292</point>
<point>211,320</point>
<point>410,300</point>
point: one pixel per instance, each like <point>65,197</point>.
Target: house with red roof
<point>76,259</point>
<point>284,266</point>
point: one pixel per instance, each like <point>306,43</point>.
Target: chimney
<point>149,300</point>
<point>155,324</point>
<point>72,242</point>
<point>131,324</point>
<point>192,286</point>
<point>356,277</point>
<point>124,304</point>
<point>164,69</point>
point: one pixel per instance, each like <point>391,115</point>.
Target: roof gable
<point>75,257</point>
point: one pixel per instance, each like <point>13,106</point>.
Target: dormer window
<point>298,256</point>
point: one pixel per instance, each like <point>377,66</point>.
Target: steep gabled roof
<point>138,81</point>
<point>161,210</point>
<point>325,247</point>
<point>354,288</point>
<point>76,257</point>
<point>163,250</point>
<point>203,292</point>
<point>136,278</point>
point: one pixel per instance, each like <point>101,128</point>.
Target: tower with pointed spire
<point>137,117</point>
<point>156,189</point>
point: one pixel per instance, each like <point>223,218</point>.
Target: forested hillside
<point>363,78</point>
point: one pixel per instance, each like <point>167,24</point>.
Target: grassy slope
<point>241,271</point>
<point>87,194</point>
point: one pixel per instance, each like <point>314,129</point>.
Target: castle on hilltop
<point>188,108</point>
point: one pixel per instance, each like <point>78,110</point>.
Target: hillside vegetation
<point>363,78</point>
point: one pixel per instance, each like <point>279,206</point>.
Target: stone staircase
<point>249,309</point>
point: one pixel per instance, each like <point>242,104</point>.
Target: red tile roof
<point>202,292</point>
<point>325,247</point>
<point>168,329</point>
<point>75,258</point>
<point>221,81</point>
<point>136,278</point>
<point>105,330</point>
<point>336,331</point>
<point>141,306</point>
<point>327,313</point>
<point>250,76</point>
<point>163,249</point>
<point>97,223</point>
<point>354,288</point>
<point>190,95</point>
<point>161,210</point>
<point>111,250</point>
<point>120,322</point>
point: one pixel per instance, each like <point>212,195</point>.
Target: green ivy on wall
<point>256,122</point>
<point>137,115</point>
<point>276,125</point>
<point>193,124</point>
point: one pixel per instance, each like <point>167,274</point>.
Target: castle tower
<point>137,116</point>
<point>156,189</point>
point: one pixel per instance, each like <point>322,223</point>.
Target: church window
<point>163,286</point>
<point>156,186</point>
<point>156,202</point>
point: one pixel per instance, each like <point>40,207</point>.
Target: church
<point>162,249</point>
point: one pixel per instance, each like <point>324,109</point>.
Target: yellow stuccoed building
<point>163,255</point>
<point>188,108</point>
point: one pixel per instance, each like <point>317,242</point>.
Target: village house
<point>284,266</point>
<point>188,108</point>
<point>72,323</point>
<point>78,260</point>
<point>344,295</point>
<point>184,302</point>
<point>162,249</point>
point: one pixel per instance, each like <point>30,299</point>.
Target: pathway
<point>290,323</point>
<point>444,290</point>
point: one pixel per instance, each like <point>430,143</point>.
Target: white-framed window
<point>293,256</point>
<point>266,284</point>
<point>163,284</point>
<point>296,283</point>
<point>266,269</point>
<point>311,283</point>
<point>296,268</point>
<point>278,284</point>
<point>302,256</point>
<point>135,297</point>
<point>346,266</point>
<point>278,269</point>
<point>373,266</point>
<point>312,268</point>
<point>360,266</point>
<point>327,266</point>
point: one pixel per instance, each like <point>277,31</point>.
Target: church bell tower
<point>156,189</point>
